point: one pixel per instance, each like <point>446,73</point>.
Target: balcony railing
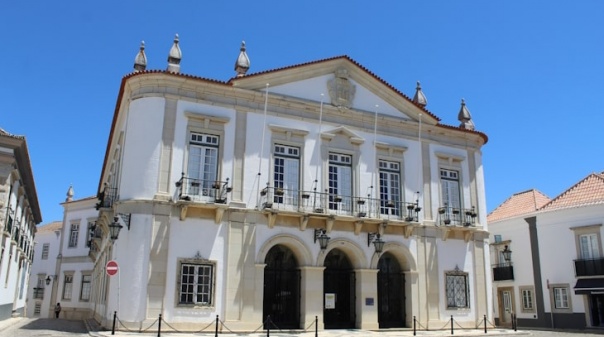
<point>328,203</point>
<point>107,197</point>
<point>503,272</point>
<point>213,191</point>
<point>39,293</point>
<point>589,267</point>
<point>450,216</point>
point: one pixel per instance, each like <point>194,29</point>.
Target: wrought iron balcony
<point>450,216</point>
<point>191,189</point>
<point>107,197</point>
<point>589,267</point>
<point>38,293</point>
<point>328,203</point>
<point>503,272</point>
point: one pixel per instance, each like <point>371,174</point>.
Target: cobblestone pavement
<point>42,327</point>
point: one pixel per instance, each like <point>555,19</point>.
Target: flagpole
<point>263,136</point>
<point>319,161</point>
<point>374,149</point>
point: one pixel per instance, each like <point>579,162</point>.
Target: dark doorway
<point>596,305</point>
<point>339,280</point>
<point>281,289</point>
<point>391,293</point>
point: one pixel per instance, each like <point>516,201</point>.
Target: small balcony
<point>589,267</point>
<point>450,216</point>
<point>199,190</point>
<point>503,272</point>
<point>107,197</point>
<point>281,199</point>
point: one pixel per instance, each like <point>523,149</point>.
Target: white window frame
<point>286,173</point>
<point>561,298</point>
<point>527,294</point>
<point>390,187</point>
<point>67,287</point>
<point>85,287</point>
<point>340,168</point>
<point>457,289</point>
<point>199,284</point>
<point>203,167</point>
<point>589,246</point>
<point>74,233</point>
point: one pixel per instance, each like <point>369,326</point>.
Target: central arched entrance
<point>281,289</point>
<point>391,292</point>
<point>339,285</point>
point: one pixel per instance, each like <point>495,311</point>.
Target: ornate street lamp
<point>507,254</point>
<point>48,280</point>
<point>378,243</point>
<point>322,238</point>
<point>114,229</point>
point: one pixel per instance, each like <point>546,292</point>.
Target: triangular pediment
<point>339,82</point>
<point>345,132</point>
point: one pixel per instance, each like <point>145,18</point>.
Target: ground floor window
<point>561,298</point>
<point>37,308</point>
<point>196,283</point>
<point>456,283</point>
<point>527,299</point>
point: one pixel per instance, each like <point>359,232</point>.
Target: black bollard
<point>316,326</point>
<point>485,323</point>
<point>159,326</point>
<point>114,318</point>
<point>451,324</point>
<point>515,322</point>
<point>216,330</point>
<point>268,326</point>
<point>414,330</point>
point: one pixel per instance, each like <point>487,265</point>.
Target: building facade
<point>19,215</point>
<point>555,276</point>
<point>314,190</point>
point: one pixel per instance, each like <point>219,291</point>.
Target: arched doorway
<point>281,288</point>
<point>391,292</point>
<point>339,285</point>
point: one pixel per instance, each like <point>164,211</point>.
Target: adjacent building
<point>19,215</point>
<point>316,189</point>
<point>548,267</point>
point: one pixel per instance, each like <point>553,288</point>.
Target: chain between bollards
<point>114,319</point>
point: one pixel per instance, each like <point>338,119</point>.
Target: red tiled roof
<point>588,191</point>
<point>518,204</point>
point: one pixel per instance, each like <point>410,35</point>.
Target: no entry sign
<point>111,268</point>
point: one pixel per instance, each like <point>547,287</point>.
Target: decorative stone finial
<point>69,194</point>
<point>174,57</point>
<point>465,117</point>
<point>419,97</point>
<point>243,62</point>
<point>140,61</point>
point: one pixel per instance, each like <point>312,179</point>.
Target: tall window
<point>74,232</point>
<point>196,284</point>
<point>287,174</point>
<point>561,298</point>
<point>527,300</point>
<point>449,185</point>
<point>37,308</point>
<point>340,181</point>
<point>457,289</point>
<point>90,232</point>
<point>67,287</point>
<point>202,168</point>
<point>589,246</point>
<point>85,288</point>
<point>45,248</point>
<point>390,187</point>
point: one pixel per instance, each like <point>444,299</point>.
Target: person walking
<point>57,310</point>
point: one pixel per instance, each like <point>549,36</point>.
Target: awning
<point>588,286</point>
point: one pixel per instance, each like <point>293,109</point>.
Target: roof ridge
<point>572,188</point>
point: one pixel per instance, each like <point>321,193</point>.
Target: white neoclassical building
<point>313,190</point>
<point>19,215</point>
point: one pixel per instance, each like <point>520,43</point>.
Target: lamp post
<point>114,229</point>
<point>322,238</point>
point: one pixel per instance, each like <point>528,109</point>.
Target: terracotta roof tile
<point>518,204</point>
<point>50,227</point>
<point>588,191</point>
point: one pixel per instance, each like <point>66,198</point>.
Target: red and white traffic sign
<point>111,268</point>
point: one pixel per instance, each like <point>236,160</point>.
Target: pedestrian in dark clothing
<point>57,310</point>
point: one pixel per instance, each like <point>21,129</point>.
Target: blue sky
<point>531,72</point>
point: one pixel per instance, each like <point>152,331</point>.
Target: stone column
<point>311,299</point>
<point>428,289</point>
<point>366,300</point>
